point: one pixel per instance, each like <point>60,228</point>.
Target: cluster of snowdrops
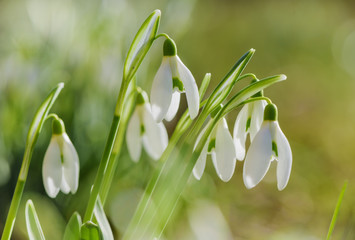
<point>138,119</point>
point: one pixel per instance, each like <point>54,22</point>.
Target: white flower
<point>61,163</point>
<point>143,128</point>
<point>248,121</point>
<point>221,147</point>
<point>173,78</point>
<point>269,144</point>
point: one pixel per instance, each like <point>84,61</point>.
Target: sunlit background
<point>83,43</point>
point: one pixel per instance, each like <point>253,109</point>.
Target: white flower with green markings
<point>269,144</point>
<point>173,78</point>
<point>221,147</point>
<point>144,130</point>
<point>61,163</point>
<point>249,120</point>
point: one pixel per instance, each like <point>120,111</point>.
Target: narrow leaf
<point>141,44</point>
<point>226,85</point>
<point>336,211</point>
<point>72,230</point>
<point>42,112</point>
<point>34,229</point>
<point>102,221</point>
<point>90,231</point>
<point>250,90</point>
<point>204,85</point>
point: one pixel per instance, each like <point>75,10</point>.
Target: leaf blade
<point>72,230</point>
<point>102,221</point>
<point>33,225</point>
<point>336,210</point>
<point>141,44</point>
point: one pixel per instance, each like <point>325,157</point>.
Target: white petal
<point>64,186</point>
<point>155,138</point>
<point>52,168</point>
<point>70,165</point>
<point>200,163</point>
<point>174,106</point>
<point>226,155</point>
<point>257,117</point>
<point>240,133</point>
<point>192,95</point>
<point>284,158</point>
<point>162,89</point>
<point>133,136</point>
<point>258,159</point>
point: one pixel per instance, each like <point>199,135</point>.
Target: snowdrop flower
<point>173,78</point>
<point>61,163</point>
<point>269,144</point>
<point>143,128</point>
<point>249,121</point>
<point>221,147</point>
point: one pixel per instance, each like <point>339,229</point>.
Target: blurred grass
<point>83,43</point>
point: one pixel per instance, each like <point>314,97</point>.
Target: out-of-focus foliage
<point>83,43</point>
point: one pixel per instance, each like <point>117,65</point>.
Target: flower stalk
<point>139,48</point>
<point>35,128</point>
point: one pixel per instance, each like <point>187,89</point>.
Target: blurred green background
<point>83,43</point>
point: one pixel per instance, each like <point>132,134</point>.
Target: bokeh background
<point>83,43</point>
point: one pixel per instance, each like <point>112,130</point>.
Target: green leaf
<point>141,44</point>
<point>42,112</point>
<point>72,230</point>
<point>34,229</point>
<point>204,85</point>
<point>250,90</point>
<point>37,123</point>
<point>225,86</point>
<point>102,221</point>
<point>336,210</point>
<point>90,231</point>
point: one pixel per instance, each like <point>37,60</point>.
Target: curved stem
<point>52,115</point>
<point>247,75</point>
<point>162,35</point>
<point>253,99</point>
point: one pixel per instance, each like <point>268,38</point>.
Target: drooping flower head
<point>61,163</point>
<point>173,78</point>
<point>144,130</point>
<point>249,121</point>
<point>269,144</point>
<point>221,147</point>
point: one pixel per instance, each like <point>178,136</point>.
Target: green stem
<point>130,101</point>
<point>101,171</point>
<point>162,35</point>
<point>106,155</point>
<point>52,115</point>
<point>112,164</point>
<point>11,217</point>
<point>16,199</point>
<point>247,75</point>
<point>253,99</point>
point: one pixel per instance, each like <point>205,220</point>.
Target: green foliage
<point>336,211</point>
<point>73,228</point>
<point>34,228</point>
<point>141,44</point>
<point>90,231</point>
